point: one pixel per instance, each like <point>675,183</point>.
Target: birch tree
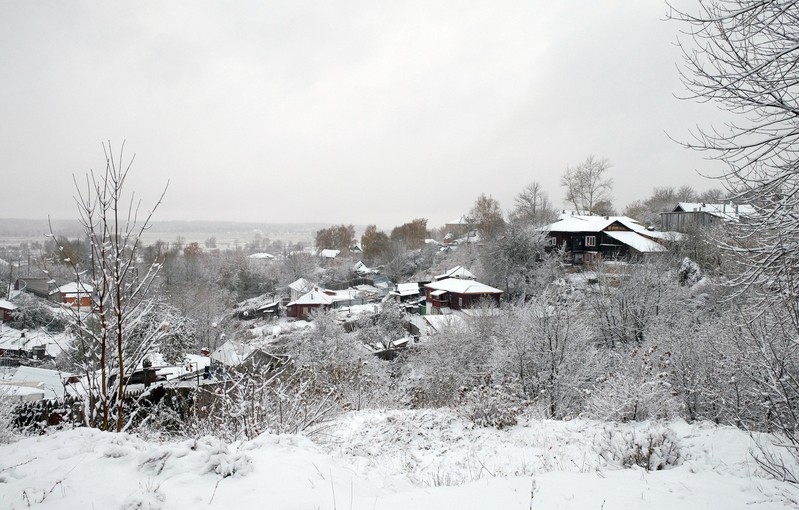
<point>109,353</point>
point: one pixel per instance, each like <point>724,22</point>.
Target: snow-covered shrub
<point>8,433</point>
<point>636,388</point>
<point>490,406</point>
<point>689,273</point>
<point>459,355</point>
<point>33,313</point>
<point>544,348</point>
<point>653,448</point>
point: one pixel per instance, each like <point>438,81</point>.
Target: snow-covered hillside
<point>392,460</point>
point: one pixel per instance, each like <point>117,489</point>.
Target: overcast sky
<point>339,111</point>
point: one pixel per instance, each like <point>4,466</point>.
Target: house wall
<point>72,300</point>
<point>683,221</point>
<point>605,247</point>
<point>302,311</point>
<point>6,315</point>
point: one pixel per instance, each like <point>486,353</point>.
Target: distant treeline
<point>15,227</point>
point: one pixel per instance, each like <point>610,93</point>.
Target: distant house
<point>7,309</point>
<point>457,227</point>
<point>457,272</point>
<point>74,294</point>
<point>457,294</point>
<point>299,287</point>
<point>261,256</point>
<point>406,291</point>
<point>328,254</point>
<point>592,239</point>
<point>36,285</point>
<point>302,307</point>
<point>687,215</point>
<point>46,384</point>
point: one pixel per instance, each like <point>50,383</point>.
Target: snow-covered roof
<point>23,392</point>
<point>315,297</point>
<point>731,212</point>
<point>301,285</point>
<point>463,220</point>
<point>457,272</point>
<point>362,268</point>
<point>637,241</point>
<point>459,286</point>
<point>73,288</point>
<point>52,381</point>
<point>593,224</point>
<point>7,305</point>
<point>232,352</point>
<point>329,254</point>
<point>262,255</point>
<point>408,289</point>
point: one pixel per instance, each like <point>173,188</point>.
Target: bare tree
<point>486,217</point>
<point>742,54</point>
<point>532,206</point>
<point>109,351</point>
<point>587,184</point>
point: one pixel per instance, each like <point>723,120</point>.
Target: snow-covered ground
<point>388,460</point>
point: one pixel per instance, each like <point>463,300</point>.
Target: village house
<point>37,285</point>
<point>299,287</point>
<point>73,294</point>
<point>7,309</point>
<point>688,215</point>
<point>449,294</point>
<point>302,307</point>
<point>459,272</point>
<point>593,239</point>
<point>406,292</point>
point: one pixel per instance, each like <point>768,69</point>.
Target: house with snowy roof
<point>449,294</point>
<point>74,294</point>
<point>406,292</point>
<point>593,239</point>
<point>457,272</point>
<point>688,215</point>
<point>299,287</point>
<point>7,309</point>
<point>302,307</point>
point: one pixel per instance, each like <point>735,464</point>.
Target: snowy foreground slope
<point>388,460</point>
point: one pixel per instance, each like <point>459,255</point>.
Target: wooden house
<point>303,307</point>
<point>74,294</point>
<point>688,215</point>
<point>7,309</point>
<point>456,294</point>
<point>299,287</point>
<point>592,239</point>
<point>457,272</point>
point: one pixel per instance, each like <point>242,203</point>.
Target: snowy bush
<point>689,273</point>
<point>34,313</point>
<point>653,448</point>
<point>8,433</point>
<point>636,388</point>
<point>490,406</point>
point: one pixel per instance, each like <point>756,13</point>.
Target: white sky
<point>357,112</point>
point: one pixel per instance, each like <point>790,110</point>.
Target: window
<point>590,240</point>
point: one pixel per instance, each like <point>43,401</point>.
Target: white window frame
<point>590,241</point>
